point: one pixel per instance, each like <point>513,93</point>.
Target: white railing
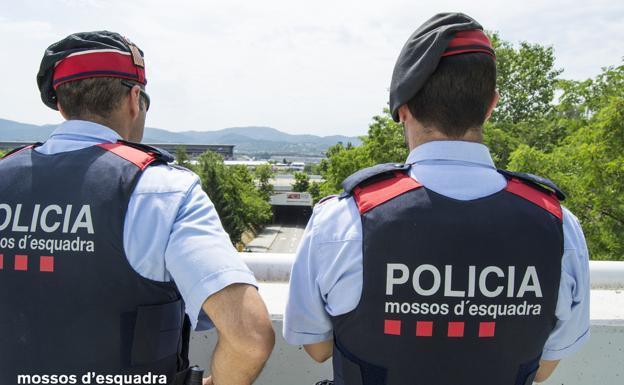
<point>274,267</point>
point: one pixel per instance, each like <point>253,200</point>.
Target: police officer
<point>112,254</point>
<point>443,270</point>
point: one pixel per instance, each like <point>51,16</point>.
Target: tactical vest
<point>70,303</point>
<point>454,292</point>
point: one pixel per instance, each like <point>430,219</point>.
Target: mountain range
<point>247,140</point>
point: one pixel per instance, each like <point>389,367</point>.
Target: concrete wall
<point>600,361</point>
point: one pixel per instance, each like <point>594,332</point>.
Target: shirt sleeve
<point>326,277</point>
<point>200,256</point>
<point>572,311</point>
<point>305,318</point>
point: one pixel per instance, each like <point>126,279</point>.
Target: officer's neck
<point>419,134</point>
<point>122,127</point>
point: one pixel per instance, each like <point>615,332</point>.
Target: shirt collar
<point>86,130</point>
<point>452,150</point>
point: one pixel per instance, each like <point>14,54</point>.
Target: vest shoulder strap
<point>371,174</point>
<point>141,155</point>
<point>534,189</point>
<point>375,185</point>
<point>541,183</point>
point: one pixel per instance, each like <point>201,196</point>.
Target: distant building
<point>297,166</point>
<point>248,163</point>
<point>193,150</point>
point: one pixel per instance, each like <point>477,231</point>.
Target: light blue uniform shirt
<point>326,278</point>
<point>171,230</point>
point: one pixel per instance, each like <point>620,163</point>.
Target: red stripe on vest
<point>548,202</point>
<point>97,64</point>
<point>371,196</point>
<point>137,157</point>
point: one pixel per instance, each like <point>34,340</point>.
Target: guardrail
<point>274,267</point>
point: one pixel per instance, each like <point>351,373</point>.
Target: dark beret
<point>423,50</point>
<point>86,55</point>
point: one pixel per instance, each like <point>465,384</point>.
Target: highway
<point>288,238</point>
<point>280,237</point>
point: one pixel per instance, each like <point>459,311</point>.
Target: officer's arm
<point>246,337</point>
<point>546,368</point>
<point>320,351</point>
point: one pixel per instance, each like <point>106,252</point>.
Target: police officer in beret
<point>443,270</point>
<point>115,254</point>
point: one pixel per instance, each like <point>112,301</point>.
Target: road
<point>288,238</point>
<point>278,238</point>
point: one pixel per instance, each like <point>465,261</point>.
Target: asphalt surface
<point>288,238</point>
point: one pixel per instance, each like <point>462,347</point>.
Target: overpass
<point>291,209</point>
<point>599,362</point>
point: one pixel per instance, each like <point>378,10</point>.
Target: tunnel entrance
<point>291,215</point>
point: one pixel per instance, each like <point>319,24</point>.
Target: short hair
<point>93,96</point>
<point>457,95</point>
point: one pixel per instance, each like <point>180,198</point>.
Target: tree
<point>182,157</point>
<point>233,192</point>
<point>302,182</point>
<point>526,80</point>
<point>341,162</point>
<point>315,191</point>
<point>263,175</point>
<point>575,140</point>
<point>385,141</point>
<point>589,166</point>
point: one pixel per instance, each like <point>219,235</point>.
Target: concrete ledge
<point>273,267</point>
<point>599,362</point>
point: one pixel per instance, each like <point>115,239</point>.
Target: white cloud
<point>316,67</point>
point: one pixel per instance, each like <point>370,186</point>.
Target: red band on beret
<point>97,63</point>
<point>469,41</point>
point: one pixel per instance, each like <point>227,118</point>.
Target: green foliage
<point>233,192</point>
<point>526,80</point>
<point>263,175</point>
<point>385,141</point>
<point>312,169</point>
<point>315,191</point>
<point>589,165</point>
<point>383,144</point>
<point>2,153</point>
<point>575,139</point>
<point>182,157</point>
<point>302,182</point>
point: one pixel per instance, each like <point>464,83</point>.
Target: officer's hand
<point>208,381</point>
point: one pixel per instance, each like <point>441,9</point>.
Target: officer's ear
<point>134,101</point>
<point>492,105</point>
<point>404,113</point>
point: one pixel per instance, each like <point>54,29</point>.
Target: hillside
<point>248,140</point>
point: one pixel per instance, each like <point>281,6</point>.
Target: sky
<point>303,67</point>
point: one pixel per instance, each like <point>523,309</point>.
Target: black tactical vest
<point>454,292</point>
<point>70,303</point>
